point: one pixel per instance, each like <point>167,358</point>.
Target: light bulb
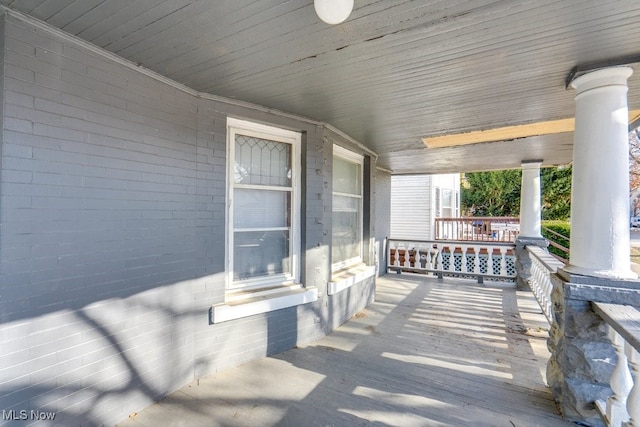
<point>333,11</point>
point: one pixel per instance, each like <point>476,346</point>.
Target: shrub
<point>560,227</point>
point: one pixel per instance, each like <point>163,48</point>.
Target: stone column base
<point>582,357</point>
<point>523,261</point>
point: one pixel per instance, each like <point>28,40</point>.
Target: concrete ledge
<point>532,241</point>
<point>344,279</point>
<point>584,288</point>
<point>263,304</point>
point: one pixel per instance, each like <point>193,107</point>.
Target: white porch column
<point>530,206</point>
<point>600,184</point>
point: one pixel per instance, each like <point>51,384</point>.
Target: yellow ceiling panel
<point>508,132</point>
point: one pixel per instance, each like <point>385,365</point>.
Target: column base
<point>523,262</point>
<point>582,356</point>
<point>532,241</point>
<point>604,274</point>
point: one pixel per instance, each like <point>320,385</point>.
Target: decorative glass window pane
<point>261,253</point>
<point>263,198</point>
<point>261,208</point>
<point>262,162</point>
<point>346,228</point>
<point>346,176</point>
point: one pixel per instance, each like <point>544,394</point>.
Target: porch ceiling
<point>395,72</point>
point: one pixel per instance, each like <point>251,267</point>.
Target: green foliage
<point>560,227</point>
<point>556,192</point>
<point>497,193</point>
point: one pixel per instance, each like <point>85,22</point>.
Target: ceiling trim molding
<point>41,25</point>
<point>351,140</point>
<point>580,70</point>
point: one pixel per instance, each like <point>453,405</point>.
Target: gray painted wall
<point>382,197</point>
<point>112,222</point>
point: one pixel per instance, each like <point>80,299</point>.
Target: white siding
<point>413,204</point>
<point>411,213</point>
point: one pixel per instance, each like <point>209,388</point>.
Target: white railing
<point>623,407</point>
<point>453,258</point>
<point>543,264</point>
<point>482,229</point>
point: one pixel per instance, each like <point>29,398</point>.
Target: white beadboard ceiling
<point>395,72</point>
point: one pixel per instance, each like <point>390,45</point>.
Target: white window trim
<point>281,135</point>
<point>356,158</point>
<point>262,295</point>
<point>346,273</point>
<point>287,297</point>
<point>345,279</point>
<point>437,202</point>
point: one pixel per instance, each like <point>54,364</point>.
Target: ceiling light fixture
<point>333,11</point>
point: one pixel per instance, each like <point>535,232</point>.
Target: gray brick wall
<point>103,204</point>
<point>112,231</point>
<point>382,201</point>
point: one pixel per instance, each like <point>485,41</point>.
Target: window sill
<point>260,303</point>
<point>346,278</point>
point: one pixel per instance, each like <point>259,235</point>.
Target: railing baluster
<point>457,258</point>
<point>470,259</point>
<point>542,266</point>
<point>621,383</point>
<point>633,400</point>
<point>397,255</point>
<point>624,332</point>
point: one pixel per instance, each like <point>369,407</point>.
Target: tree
<point>634,160</point>
<point>634,170</point>
<point>556,192</point>
<point>497,193</point>
<point>494,193</point>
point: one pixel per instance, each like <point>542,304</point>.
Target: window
<point>447,207</point>
<point>263,205</point>
<point>346,246</point>
<point>438,204</point>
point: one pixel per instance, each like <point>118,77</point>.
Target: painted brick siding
<point>102,214</point>
<point>112,235</point>
<point>382,216</point>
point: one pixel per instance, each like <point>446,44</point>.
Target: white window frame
<point>257,130</point>
<point>438,202</point>
<point>354,158</point>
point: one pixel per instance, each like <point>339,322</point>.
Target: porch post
<point>582,357</point>
<point>530,206</point>
<point>530,216</point>
<point>600,185</point>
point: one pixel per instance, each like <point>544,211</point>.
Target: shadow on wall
<point>96,364</point>
<point>87,365</point>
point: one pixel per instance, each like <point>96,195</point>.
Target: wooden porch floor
<point>426,353</point>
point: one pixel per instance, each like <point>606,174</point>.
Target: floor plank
<point>426,353</point>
